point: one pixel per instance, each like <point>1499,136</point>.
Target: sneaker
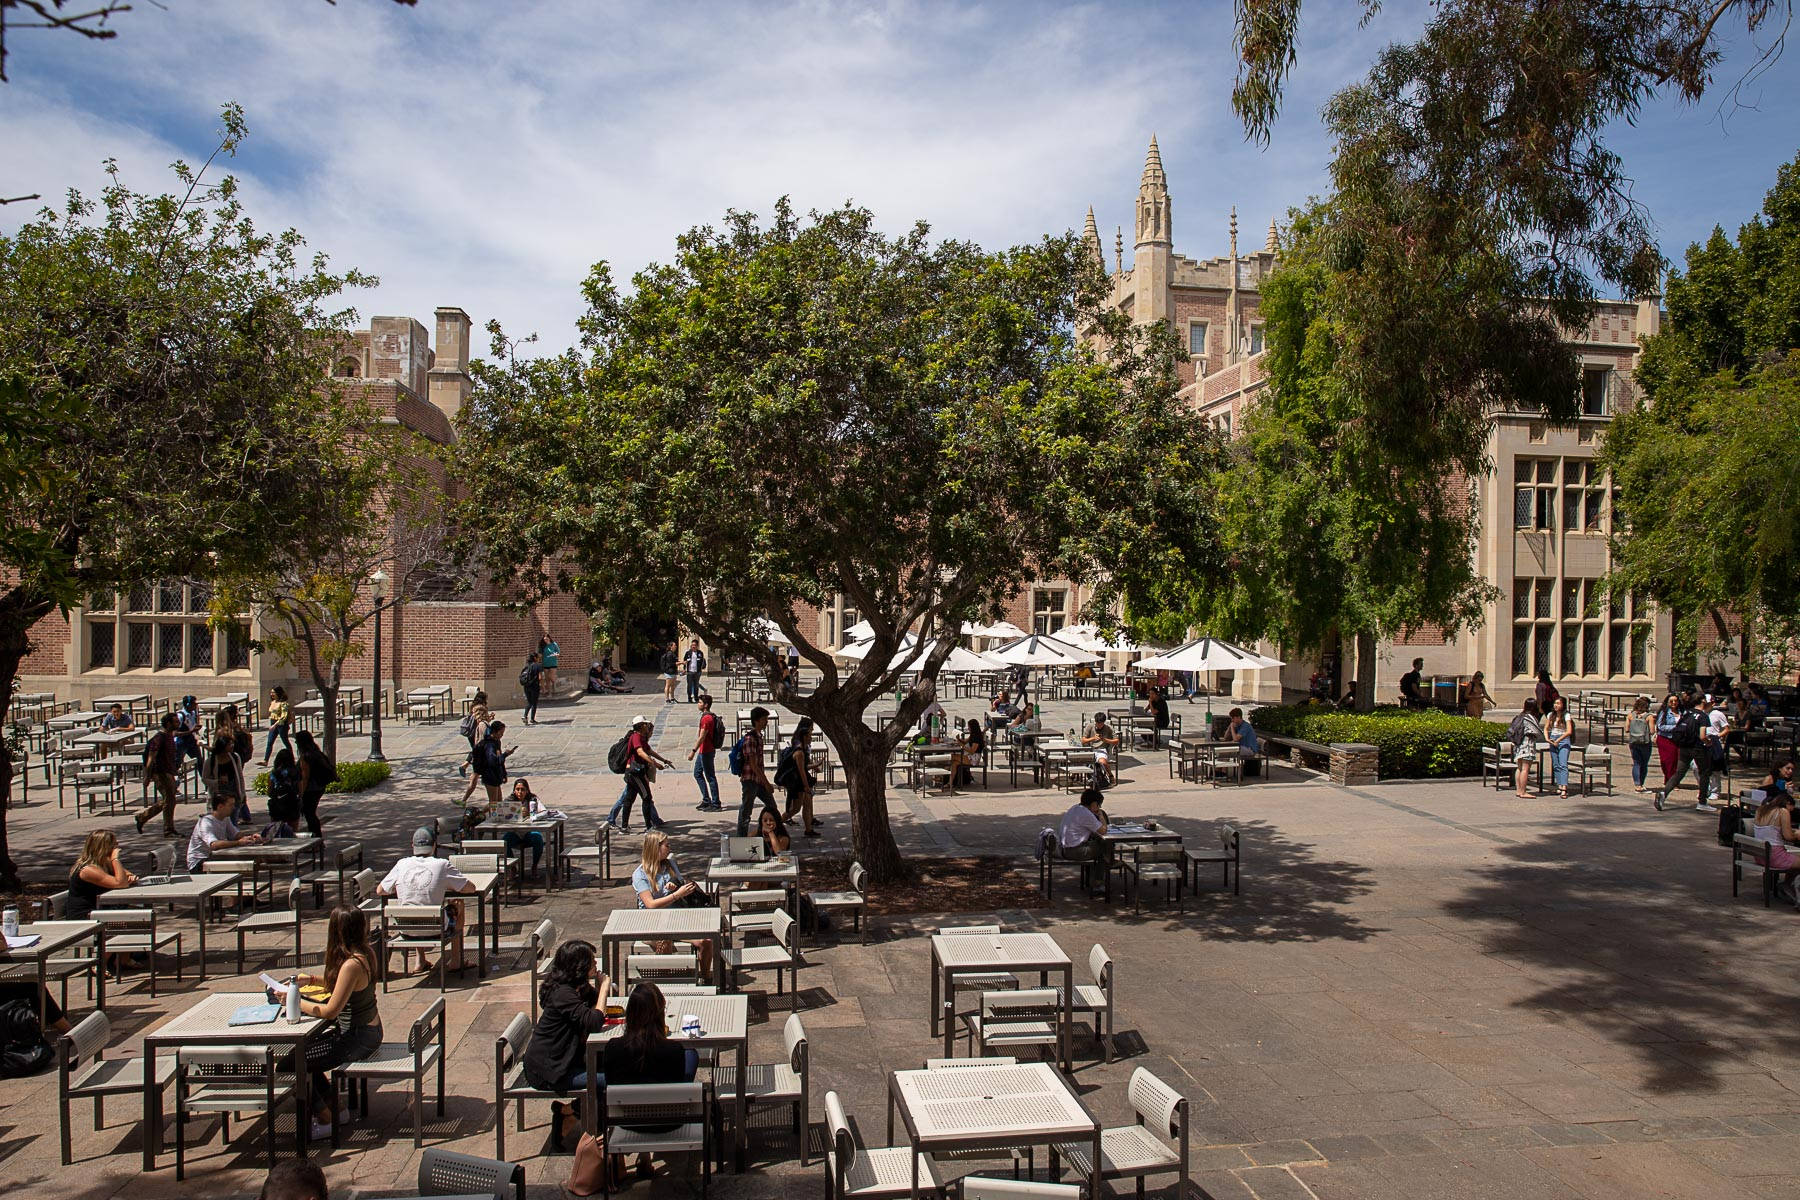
<point>1703,806</point>
<point>614,825</point>
<point>1656,798</point>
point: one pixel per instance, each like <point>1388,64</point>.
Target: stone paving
<point>1425,990</point>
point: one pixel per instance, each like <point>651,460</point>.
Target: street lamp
<point>378,582</point>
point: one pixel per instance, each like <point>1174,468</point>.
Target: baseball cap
<point>641,719</point>
<point>424,838</point>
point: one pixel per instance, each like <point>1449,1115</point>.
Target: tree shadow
<point>1630,933</point>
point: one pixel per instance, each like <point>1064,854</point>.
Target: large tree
<point>804,408</point>
<point>1708,510</point>
<point>166,358</point>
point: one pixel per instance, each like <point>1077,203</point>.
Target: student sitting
<point>1249,745</point>
<point>571,1005</point>
<point>645,1053</point>
<point>1078,835</point>
<point>1106,745</point>
<point>215,832</point>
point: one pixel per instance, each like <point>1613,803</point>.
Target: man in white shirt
<point>1078,837</point>
<point>425,878</point>
<point>1714,758</point>
<point>215,832</point>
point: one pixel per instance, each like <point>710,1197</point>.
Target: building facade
<point>154,638</point>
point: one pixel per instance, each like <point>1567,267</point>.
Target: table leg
<point>303,1098</point>
<point>590,1112</point>
<point>481,933</point>
<point>152,1108</point>
<point>43,966</point>
<point>934,999</point>
<point>494,933</point>
<point>1094,1165</point>
<point>1068,1014</point>
<point>741,1108</point>
<point>949,1016</point>
<point>200,920</point>
<point>100,970</point>
<point>890,1116</point>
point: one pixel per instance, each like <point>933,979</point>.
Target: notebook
<point>255,1014</point>
<point>20,941</point>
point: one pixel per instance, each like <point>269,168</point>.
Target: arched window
<point>348,368</point>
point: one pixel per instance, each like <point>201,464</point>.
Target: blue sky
<point>485,154</point>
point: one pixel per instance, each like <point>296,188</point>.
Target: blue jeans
<point>533,838</point>
<point>276,731</point>
<point>1640,762</point>
<point>1559,763</point>
<point>635,785</point>
<point>706,779</point>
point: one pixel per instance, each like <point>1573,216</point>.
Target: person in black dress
<point>571,1005</point>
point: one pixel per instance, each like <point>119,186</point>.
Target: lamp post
<point>378,582</point>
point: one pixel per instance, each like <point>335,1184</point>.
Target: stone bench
<point>1349,764</point>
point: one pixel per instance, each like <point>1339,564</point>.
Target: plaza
<point>1423,990</point>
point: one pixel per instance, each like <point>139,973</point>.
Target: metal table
<point>724,1025</point>
<point>783,871</point>
<point>197,890</point>
<point>107,737</point>
<point>75,720</point>
<point>554,827</point>
<point>978,953</point>
<point>131,702</point>
<point>53,936</point>
<point>997,1107</point>
<point>280,852</point>
<point>662,925</point>
<point>205,1025</point>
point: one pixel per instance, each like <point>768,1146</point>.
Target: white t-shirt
<point>422,880</point>
<point>1716,723</point>
<point>1078,824</point>
<point>207,830</point>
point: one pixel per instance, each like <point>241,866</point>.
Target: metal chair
<point>1595,764</point>
<point>447,1173</point>
<point>775,1083</point>
<point>511,862</point>
<point>133,931</point>
<point>784,955</point>
<point>1134,1151</point>
<point>854,1171</point>
<point>232,1079</point>
<point>1097,999</point>
<point>251,887</point>
<point>1028,1017</point>
<point>1229,856</point>
<point>78,960</point>
<point>346,861</point>
<point>675,1115</point>
<point>660,968</point>
<point>81,1073</point>
<point>423,1049</point>
<point>509,1079</point>
<point>274,921</point>
<point>854,901</point>
<point>410,927</point>
<point>599,854</point>
<point>751,910</point>
<point>1154,864</point>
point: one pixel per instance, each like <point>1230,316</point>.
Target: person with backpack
<point>1640,735</point>
<point>746,762</point>
<point>1667,714</point>
<point>793,773</point>
<point>489,761</point>
<point>1546,691</point>
<point>1524,733</point>
<point>187,729</point>
<point>284,795</point>
<point>473,729</point>
<point>162,760</point>
<point>704,753</point>
<point>1690,748</point>
<point>632,757</point>
<point>316,774</point>
<point>530,680</point>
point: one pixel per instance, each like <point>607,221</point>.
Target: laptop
<point>745,849</point>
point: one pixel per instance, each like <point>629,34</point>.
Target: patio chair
<point>542,943</point>
<point>447,1173</point>
<point>788,1082</point>
<point>1154,863</point>
<point>1050,857</point>
<point>423,1049</point>
<point>752,910</point>
<point>346,861</point>
<point>82,1073</point>
<point>599,855</point>
<point>1229,856</point>
<point>410,927</point>
<point>1028,1017</point>
<point>658,1118</point>
<point>854,901</point>
<point>251,887</point>
<point>1097,999</point>
<point>1595,764</point>
<point>509,1079</point>
<point>96,787</point>
<point>233,1079</point>
<point>979,1187</point>
<point>77,960</point>
<point>854,1171</point>
<point>979,981</point>
<point>273,921</point>
<point>1134,1151</point>
<point>658,968</point>
<point>783,956</point>
<point>133,931</point>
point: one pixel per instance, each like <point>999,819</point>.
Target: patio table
<point>51,937</point>
<point>662,925</point>
<point>553,827</point>
<point>724,1026</point>
<point>131,702</point>
<point>206,1024</point>
<point>989,1107</point>
<point>75,720</point>
<point>433,695</point>
<point>782,870</point>
<point>986,953</point>
<point>197,890</point>
<point>282,852</point>
<point>107,737</point>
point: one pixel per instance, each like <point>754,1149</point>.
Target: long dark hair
<point>572,966</point>
<point>346,937</point>
<point>308,747</point>
<point>645,1027</point>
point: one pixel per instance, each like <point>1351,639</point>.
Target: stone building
<point>153,637</point>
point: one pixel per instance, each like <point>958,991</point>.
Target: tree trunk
<point>328,695</point>
<point>1365,672</point>
<point>865,753</point>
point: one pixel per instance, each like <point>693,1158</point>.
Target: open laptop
<point>745,849</point>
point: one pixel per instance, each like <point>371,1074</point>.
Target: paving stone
<point>1269,1154</point>
<point>1571,1135</point>
<point>1346,1149</point>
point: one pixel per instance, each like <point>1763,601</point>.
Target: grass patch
<point>352,777</point>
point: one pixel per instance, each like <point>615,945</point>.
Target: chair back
<point>956,1064</point>
<point>1156,1103</point>
<point>414,922</point>
<point>476,864</point>
<point>1025,1004</point>
<point>447,1173</point>
<point>511,1043</point>
<point>644,1103</point>
<point>843,1139</point>
<point>293,898</point>
<point>54,906</point>
<point>428,1022</point>
<point>1230,838</point>
<point>135,920</point>
<point>654,967</point>
<point>495,846</point>
<point>687,989</point>
<point>782,926</point>
<point>349,855</point>
<point>793,1035</point>
<point>363,885</point>
<point>859,879</point>
<point>1161,852</point>
<point>1100,965</point>
<point>543,940</point>
<point>228,866</point>
<point>86,1039</point>
<point>977,1187</point>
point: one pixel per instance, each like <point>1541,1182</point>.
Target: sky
<point>485,154</point>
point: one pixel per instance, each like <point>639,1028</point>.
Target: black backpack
<point>528,676</point>
<point>284,784</point>
<point>23,1050</point>
<point>1686,733</point>
<point>619,757</point>
<point>786,768</point>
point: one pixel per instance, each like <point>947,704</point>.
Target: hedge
<point>1414,743</point>
<point>352,777</point>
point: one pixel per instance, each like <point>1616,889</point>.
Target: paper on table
<point>272,983</point>
<point>20,941</point>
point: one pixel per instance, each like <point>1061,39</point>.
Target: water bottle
<point>293,1002</point>
<point>725,846</point>
<point>9,922</point>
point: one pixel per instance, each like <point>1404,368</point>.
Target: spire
<point>1119,249</point>
<point>1234,252</point>
<point>1153,209</point>
<point>1233,308</point>
<point>1090,241</point>
<point>1274,243</point>
<point>1153,168</point>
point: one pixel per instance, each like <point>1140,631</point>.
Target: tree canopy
<point>160,365</point>
<point>798,409</point>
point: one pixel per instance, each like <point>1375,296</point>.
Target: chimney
<point>450,385</point>
<point>399,350</point>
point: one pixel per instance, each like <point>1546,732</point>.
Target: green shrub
<point>352,777</point>
<point>1414,744</point>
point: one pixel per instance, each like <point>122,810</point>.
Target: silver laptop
<point>745,849</point>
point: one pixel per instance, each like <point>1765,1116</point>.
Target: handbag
<point>588,1175</point>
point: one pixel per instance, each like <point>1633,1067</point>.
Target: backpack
<point>527,677</point>
<point>467,728</point>
<point>619,757</point>
<point>711,726</point>
<point>734,762</point>
<point>1515,733</point>
<point>785,768</point>
<point>1686,733</point>
<point>23,1050</point>
<point>284,784</point>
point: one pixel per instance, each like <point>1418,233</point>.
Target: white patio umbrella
<point>1038,650</point>
<point>766,630</point>
<point>1207,654</point>
<point>862,631</point>
<point>998,631</point>
<point>1089,637</point>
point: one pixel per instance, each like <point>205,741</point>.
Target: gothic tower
<point>1090,242</point>
<point>1154,249</point>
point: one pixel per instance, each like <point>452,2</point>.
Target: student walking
<point>161,761</point>
<point>280,715</point>
<point>705,753</point>
<point>1689,736</point>
<point>490,761</point>
<point>693,663</point>
<point>670,664</point>
<point>639,769</point>
<point>1640,735</point>
<point>1667,715</point>
<point>531,681</point>
<point>751,773</point>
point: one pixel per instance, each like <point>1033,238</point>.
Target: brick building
<point>154,638</point>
